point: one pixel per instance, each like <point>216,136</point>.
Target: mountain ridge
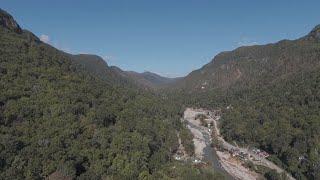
<point>226,68</point>
<point>60,120</point>
<point>150,79</point>
<point>98,65</point>
<point>272,93</point>
<point>7,21</point>
<point>68,114</point>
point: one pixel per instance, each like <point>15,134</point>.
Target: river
<point>209,154</point>
<point>204,151</point>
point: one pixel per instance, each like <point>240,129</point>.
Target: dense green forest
<point>74,117</point>
<point>273,92</point>
<point>59,120</point>
<point>283,119</point>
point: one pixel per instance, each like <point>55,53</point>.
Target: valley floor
<point>233,165</point>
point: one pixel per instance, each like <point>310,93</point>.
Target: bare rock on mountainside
<point>7,21</point>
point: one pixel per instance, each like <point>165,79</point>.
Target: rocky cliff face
<point>7,21</point>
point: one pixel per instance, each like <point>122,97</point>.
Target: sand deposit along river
<point>204,152</point>
<point>222,159</point>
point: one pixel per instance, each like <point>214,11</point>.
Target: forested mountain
<point>273,94</point>
<point>98,67</point>
<point>93,63</point>
<point>148,79</point>
<point>65,116</point>
<point>255,63</point>
<point>60,120</point>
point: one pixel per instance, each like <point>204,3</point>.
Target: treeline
<point>283,119</point>
<point>273,100</point>
<point>58,120</point>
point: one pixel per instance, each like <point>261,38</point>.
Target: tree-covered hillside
<point>97,67</point>
<point>254,64</point>
<point>113,74</point>
<point>61,121</point>
<point>273,94</point>
<point>149,80</point>
<point>282,118</point>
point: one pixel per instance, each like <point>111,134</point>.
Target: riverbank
<point>202,140</point>
<point>205,130</point>
<point>252,156</point>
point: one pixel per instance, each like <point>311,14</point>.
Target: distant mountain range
<point>147,79</point>
<point>97,65</point>
<point>66,116</point>
<point>74,115</point>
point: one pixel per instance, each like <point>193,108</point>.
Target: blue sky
<point>169,37</point>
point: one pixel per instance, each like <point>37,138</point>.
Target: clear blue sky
<point>170,37</point>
